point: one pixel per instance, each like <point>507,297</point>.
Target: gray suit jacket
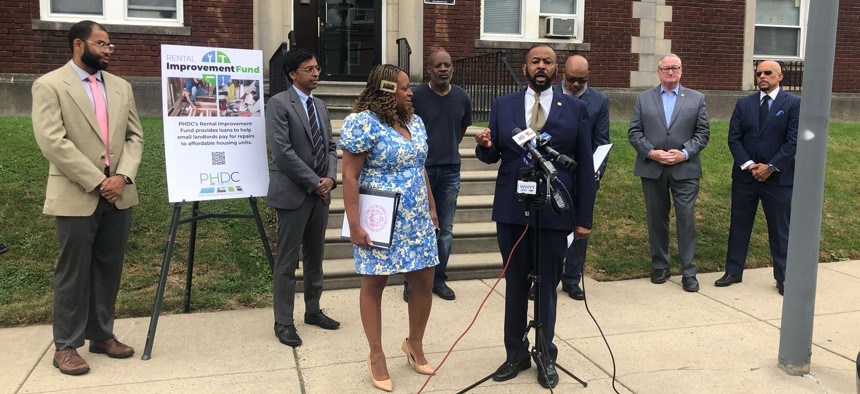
<point>688,129</point>
<point>291,173</point>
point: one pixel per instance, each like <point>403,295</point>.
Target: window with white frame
<point>125,12</point>
<point>532,20</point>
<point>780,28</point>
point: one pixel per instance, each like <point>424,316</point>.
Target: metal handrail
<point>404,51</point>
<point>486,77</point>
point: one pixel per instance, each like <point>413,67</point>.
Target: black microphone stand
<point>540,349</point>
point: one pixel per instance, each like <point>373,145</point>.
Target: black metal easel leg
<point>266,248</point>
<point>190,262</point>
<point>159,294</point>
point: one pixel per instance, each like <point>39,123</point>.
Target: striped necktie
<point>320,162</point>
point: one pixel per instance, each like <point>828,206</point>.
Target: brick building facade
<point>709,36</point>
<point>32,46</point>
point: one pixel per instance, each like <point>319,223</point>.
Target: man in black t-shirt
<point>446,110</point>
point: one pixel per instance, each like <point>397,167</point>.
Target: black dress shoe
<point>406,292</point>
<point>287,335</point>
<point>780,287</point>
<point>444,292</point>
<point>550,378</point>
<point>321,320</point>
<point>729,279</point>
<point>533,292</point>
<point>509,371</point>
<point>690,283</point>
<point>576,293</point>
<point>659,276</point>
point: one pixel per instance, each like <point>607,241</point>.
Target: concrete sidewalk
<point>720,340</point>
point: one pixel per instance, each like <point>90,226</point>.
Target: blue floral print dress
<point>394,164</point>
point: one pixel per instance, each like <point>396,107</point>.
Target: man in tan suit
<point>85,122</point>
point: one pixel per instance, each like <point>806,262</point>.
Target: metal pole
<point>798,307</point>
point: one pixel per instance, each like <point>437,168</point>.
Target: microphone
<point>560,158</point>
<point>523,138</point>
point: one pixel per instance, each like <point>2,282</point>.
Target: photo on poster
<point>238,97</point>
<point>193,96</point>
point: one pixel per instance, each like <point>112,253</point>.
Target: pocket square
<point>779,113</point>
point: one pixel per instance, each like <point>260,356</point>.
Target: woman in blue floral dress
<point>384,146</point>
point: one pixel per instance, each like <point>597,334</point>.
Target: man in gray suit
<point>669,128</point>
<point>301,176</point>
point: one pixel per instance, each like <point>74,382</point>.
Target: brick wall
<point>24,50</point>
<point>846,77</point>
<point>608,27</point>
<point>709,39</point>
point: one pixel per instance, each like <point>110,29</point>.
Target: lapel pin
<point>558,103</point>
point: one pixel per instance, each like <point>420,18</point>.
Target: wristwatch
<point>126,178</point>
<point>771,169</point>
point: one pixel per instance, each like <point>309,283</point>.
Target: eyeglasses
<point>310,69</point>
<point>576,79</point>
<point>440,65</point>
<point>103,46</point>
<point>671,68</point>
<point>765,72</point>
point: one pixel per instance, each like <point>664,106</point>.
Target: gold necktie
<point>538,117</point>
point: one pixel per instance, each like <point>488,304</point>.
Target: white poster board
<point>214,123</point>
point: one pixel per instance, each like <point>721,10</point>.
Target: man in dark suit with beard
<point>565,119</point>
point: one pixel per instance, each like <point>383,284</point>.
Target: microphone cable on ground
<point>587,309</point>
<point>480,307</point>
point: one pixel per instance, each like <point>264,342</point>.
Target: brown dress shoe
<point>111,347</point>
<point>70,362</point>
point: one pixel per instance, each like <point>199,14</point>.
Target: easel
<point>196,215</point>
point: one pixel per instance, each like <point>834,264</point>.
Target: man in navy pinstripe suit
<point>763,141</point>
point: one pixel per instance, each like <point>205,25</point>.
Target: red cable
<point>510,255</point>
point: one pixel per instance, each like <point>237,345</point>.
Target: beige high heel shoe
<point>425,369</point>
<point>384,385</point>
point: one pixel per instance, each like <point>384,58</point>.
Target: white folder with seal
<point>377,210</point>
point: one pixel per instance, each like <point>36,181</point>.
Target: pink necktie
<point>101,114</point>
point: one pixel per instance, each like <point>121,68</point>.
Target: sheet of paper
<point>600,155</point>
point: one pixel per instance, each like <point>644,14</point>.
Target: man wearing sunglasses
<point>669,128</point>
<point>763,141</point>
<point>90,191</point>
<point>575,83</point>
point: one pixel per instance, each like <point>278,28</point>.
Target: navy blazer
<point>775,143</point>
<point>597,105</point>
<point>566,124</point>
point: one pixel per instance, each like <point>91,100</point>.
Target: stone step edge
<point>340,273</point>
<point>461,230</point>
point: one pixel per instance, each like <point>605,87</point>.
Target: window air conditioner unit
<point>554,26</point>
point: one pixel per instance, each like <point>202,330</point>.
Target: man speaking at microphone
<point>564,118</point>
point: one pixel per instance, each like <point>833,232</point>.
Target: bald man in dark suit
<point>763,142</point>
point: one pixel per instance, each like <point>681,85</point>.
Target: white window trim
<point>115,13</point>
<point>530,17</point>
<point>804,21</point>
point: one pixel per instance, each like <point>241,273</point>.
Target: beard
<point>92,60</point>
<point>440,81</point>
<point>540,87</point>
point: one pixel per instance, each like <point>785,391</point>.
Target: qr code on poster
<point>219,159</point>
